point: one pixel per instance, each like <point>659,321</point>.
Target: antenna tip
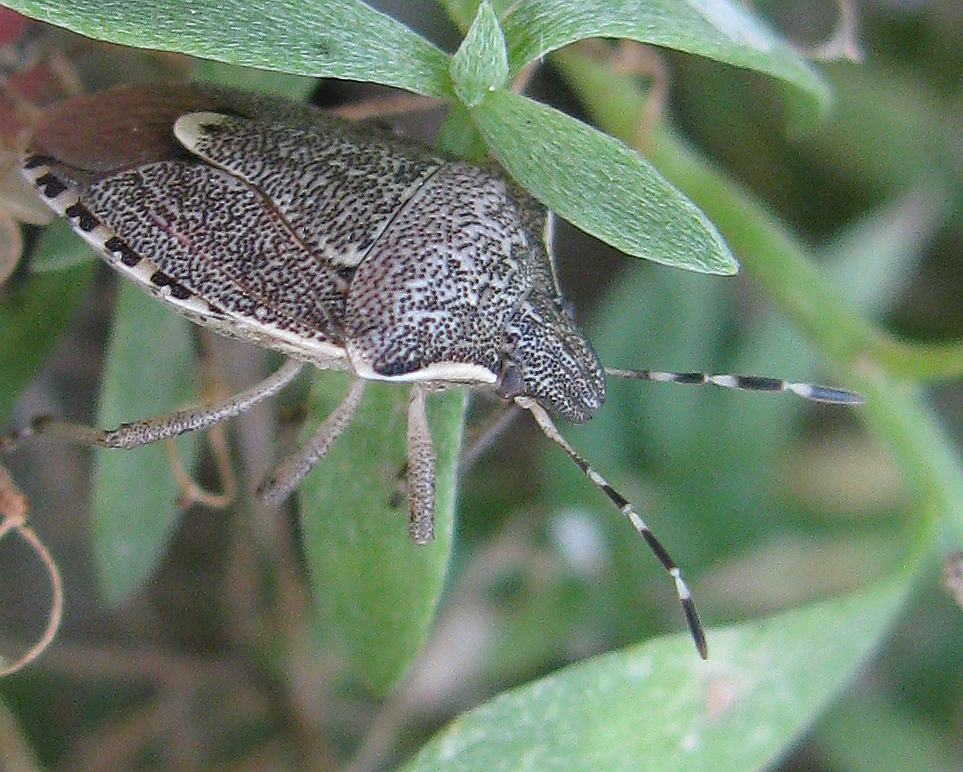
<point>826,394</point>
<point>695,628</point>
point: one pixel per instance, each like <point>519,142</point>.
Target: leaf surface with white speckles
<point>376,588</point>
<point>657,706</point>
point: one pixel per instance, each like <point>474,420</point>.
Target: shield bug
<point>341,246</point>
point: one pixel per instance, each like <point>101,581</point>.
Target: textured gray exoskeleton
<point>341,246</point>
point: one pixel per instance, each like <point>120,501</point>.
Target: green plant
<point>654,702</point>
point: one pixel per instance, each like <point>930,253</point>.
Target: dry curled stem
<point>13,517</point>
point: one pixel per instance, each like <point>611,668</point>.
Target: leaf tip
<point>480,65</point>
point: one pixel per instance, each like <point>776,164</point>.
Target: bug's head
<point>548,358</point>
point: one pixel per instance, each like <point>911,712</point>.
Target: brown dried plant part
<point>32,73</point>
<point>842,43</point>
<point>13,517</point>
<point>215,389</point>
<point>193,492</point>
<point>953,576</point>
<point>385,107</point>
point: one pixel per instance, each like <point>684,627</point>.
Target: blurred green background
<point>767,502</point>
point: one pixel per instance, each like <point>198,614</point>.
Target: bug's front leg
<point>421,470</point>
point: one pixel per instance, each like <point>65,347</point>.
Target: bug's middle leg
<point>280,483</point>
<point>421,470</point>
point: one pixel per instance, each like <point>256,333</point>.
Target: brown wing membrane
<point>118,128</point>
<point>132,125</point>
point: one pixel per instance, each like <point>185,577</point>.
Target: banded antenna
<point>808,391</point>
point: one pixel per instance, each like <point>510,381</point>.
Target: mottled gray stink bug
<point>341,246</point>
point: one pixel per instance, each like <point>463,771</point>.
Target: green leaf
<point>718,29</point>
<point>34,312</point>
<point>295,87</point>
<point>866,734</point>
<point>656,706</point>
<point>149,371</point>
<point>334,38</point>
<point>480,64</point>
<point>611,192</point>
<point>459,136</point>
<point>377,588</point>
<point>60,249</point>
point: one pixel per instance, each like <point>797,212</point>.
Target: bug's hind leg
<point>137,433</point>
<point>279,484</point>
<point>421,470</point>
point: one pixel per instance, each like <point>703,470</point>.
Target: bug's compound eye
<point>510,383</point>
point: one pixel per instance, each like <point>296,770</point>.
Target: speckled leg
<point>285,478</point>
<point>421,470</point>
<point>137,433</point>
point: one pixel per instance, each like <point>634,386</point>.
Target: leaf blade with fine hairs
<point>657,706</point>
<point>373,585</point>
<point>335,39</point>
<point>612,192</point>
<point>717,29</point>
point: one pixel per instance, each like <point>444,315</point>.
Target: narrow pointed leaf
<point>480,64</point>
<point>149,371</point>
<point>718,29</point>
<point>373,585</point>
<point>599,184</point>
<point>334,38</point>
<point>656,706</point>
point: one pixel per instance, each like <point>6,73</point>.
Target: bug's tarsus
<point>548,427</point>
<point>278,485</point>
<point>421,470</point>
<point>811,391</point>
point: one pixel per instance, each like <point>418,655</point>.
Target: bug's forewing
<point>118,128</point>
<point>209,243</point>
